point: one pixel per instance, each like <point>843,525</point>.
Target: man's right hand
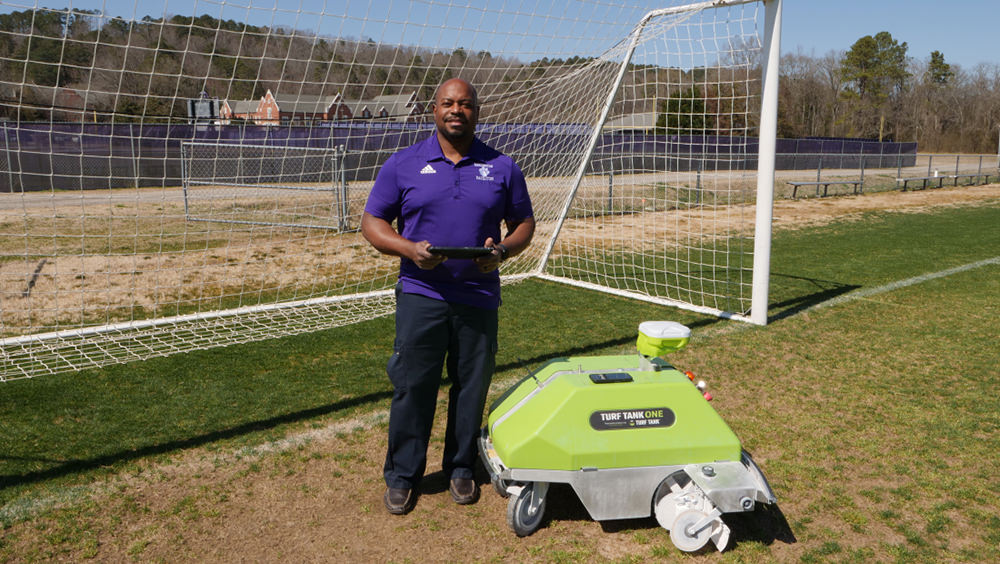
<point>423,258</point>
<point>384,238</point>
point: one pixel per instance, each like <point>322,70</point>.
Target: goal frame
<point>183,317</point>
<point>765,168</point>
<point>337,187</point>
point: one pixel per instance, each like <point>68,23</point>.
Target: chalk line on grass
<point>852,296</point>
<point>868,292</point>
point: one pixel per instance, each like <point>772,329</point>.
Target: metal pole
<point>861,187</point>
<point>611,192</point>
<point>594,137</point>
<point>765,163</point>
<point>606,109</point>
<point>7,153</point>
<point>819,170</point>
<point>335,187</point>
<point>344,204</point>
<point>697,187</point>
<point>184,180</point>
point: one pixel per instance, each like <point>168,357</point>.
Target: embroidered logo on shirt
<point>428,170</point>
<point>484,172</point>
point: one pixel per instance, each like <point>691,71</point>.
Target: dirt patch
<point>108,261</point>
<point>818,211</point>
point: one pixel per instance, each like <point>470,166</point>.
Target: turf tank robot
<point>631,435</point>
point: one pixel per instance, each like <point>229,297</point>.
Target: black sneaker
<point>464,490</point>
<point>399,501</point>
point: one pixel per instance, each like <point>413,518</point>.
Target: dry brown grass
<point>111,258</point>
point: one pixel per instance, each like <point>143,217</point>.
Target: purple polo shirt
<point>450,205</point>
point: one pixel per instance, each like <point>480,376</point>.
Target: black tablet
<point>461,252</point>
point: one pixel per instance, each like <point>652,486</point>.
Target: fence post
<point>611,192</point>
<point>861,187</point>
<point>819,170</point>
<point>184,180</point>
<point>341,156</point>
<point>7,152</point>
<point>697,185</point>
<point>136,163</point>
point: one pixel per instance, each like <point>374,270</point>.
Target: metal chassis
<point>627,493</point>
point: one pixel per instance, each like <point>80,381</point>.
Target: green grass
<point>877,420</point>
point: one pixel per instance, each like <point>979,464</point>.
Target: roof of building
<point>305,104</point>
<point>394,104</point>
<point>646,120</point>
<point>244,106</point>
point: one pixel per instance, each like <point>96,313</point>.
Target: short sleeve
<point>384,201</point>
<point>518,203</point>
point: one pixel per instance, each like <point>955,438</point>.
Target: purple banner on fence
<point>46,156</point>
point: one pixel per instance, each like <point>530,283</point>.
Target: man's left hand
<point>490,262</point>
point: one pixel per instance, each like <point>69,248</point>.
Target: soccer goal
<point>293,187</point>
<point>191,175</point>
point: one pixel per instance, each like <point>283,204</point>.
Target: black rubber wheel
<point>520,516</point>
<point>500,485</point>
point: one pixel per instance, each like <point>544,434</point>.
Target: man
<point>448,190</point>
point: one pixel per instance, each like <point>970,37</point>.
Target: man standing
<point>448,190</point>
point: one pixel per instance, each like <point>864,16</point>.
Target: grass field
<point>869,401</point>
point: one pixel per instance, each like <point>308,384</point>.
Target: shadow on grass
<point>822,291</point>
<point>75,466</point>
<point>766,524</point>
<point>62,468</point>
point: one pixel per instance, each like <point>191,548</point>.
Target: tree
<point>683,113</point>
<point>938,71</point>
<point>876,66</point>
<point>874,71</point>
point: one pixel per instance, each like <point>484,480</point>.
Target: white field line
<point>856,295</point>
<point>29,506</point>
<point>868,292</point>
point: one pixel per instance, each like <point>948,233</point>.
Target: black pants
<point>428,332</point>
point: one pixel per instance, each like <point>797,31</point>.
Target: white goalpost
<point>191,175</point>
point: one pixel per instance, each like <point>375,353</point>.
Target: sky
<point>963,30</point>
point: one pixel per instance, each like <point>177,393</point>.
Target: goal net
<point>189,175</point>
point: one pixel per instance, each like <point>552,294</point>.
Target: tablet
<point>461,252</point>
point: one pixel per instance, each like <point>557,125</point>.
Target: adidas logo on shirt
<point>428,170</point>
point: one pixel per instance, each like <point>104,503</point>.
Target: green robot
<point>632,436</point>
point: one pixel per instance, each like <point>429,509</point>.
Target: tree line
<point>876,89</point>
<point>146,70</point>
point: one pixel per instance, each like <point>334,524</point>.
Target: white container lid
<point>664,330</point>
